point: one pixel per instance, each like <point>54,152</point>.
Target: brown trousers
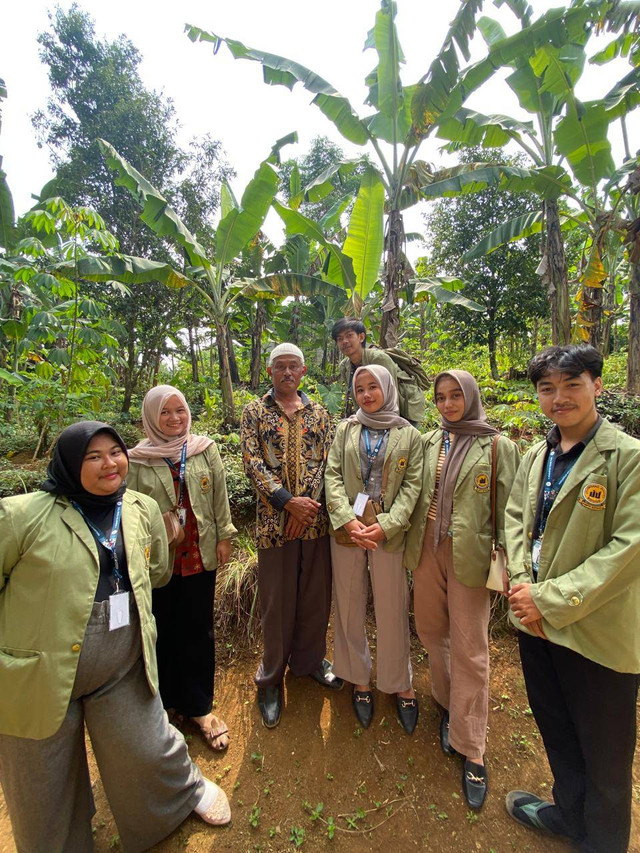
<point>352,660</point>
<point>452,622</point>
<point>294,587</point>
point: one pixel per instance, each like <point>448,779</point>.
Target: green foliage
<point>16,480</point>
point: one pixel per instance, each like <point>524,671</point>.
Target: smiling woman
<point>77,647</point>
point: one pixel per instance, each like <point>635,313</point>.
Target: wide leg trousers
<point>352,568</point>
<point>452,622</point>
<point>150,782</point>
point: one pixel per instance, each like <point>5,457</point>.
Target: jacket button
<point>75,647</point>
<point>574,601</point>
<point>529,535</point>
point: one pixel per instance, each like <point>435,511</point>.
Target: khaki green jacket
<point>204,478</point>
<point>471,517</point>
<point>343,480</point>
<point>49,575</point>
<point>588,588</point>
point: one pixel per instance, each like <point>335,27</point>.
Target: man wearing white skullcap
<point>285,441</point>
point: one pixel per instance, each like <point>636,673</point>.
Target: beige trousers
<point>352,660</point>
<point>452,622</point>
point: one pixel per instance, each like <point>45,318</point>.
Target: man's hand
<point>293,528</point>
<point>524,609</point>
<point>354,528</point>
<point>304,510</point>
<point>223,551</point>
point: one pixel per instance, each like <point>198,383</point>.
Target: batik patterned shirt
<point>285,456</point>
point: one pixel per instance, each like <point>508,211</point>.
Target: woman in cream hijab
<point>184,474</point>
<point>372,483</point>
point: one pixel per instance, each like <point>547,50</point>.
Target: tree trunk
<point>553,270</point>
<point>395,274</point>
<point>294,325</point>
<point>633,359</point>
<point>233,364</point>
<point>534,337</point>
<point>607,320</point>
<point>193,355</point>
<point>491,342</point>
<point>256,345</point>
<point>228,407</point>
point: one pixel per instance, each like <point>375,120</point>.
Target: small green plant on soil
<point>331,828</point>
<point>267,788</point>
<point>471,817</point>
<point>254,816</point>
<point>258,760</point>
<point>297,836</point>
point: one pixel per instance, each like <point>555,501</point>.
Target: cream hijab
<point>388,415</point>
<point>157,446</point>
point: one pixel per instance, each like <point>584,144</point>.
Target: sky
<point>226,97</point>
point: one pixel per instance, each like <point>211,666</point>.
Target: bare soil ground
<point>381,789</point>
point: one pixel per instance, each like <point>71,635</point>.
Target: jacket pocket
<point>18,654</point>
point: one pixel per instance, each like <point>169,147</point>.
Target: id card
<point>536,547</point>
<point>360,503</point>
<point>182,516</point>
<point>118,610</point>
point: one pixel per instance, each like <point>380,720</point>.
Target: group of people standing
<point>337,510</point>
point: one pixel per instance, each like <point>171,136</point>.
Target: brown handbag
<point>498,561</point>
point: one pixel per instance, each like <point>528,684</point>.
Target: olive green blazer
<point>49,574</point>
<point>588,588</point>
<point>204,478</point>
<point>471,517</point>
<point>403,466</point>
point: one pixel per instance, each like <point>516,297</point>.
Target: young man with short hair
<point>573,542</point>
<point>351,337</point>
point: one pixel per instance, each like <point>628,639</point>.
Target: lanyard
<point>110,543</point>
<point>181,472</point>
<point>446,439</point>
<point>371,454</point>
<point>551,489</point>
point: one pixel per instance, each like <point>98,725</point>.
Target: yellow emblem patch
<point>481,483</point>
<point>147,555</point>
<point>594,496</point>
<point>402,464</point>
<point>205,485</point>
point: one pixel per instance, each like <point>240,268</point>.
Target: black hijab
<point>63,472</point>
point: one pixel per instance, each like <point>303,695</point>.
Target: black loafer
<point>475,783</point>
<point>407,713</point>
<point>362,701</point>
<point>444,735</point>
<point>324,675</point>
<point>270,704</point>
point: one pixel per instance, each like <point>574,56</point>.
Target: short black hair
<point>348,324</point>
<point>573,359</point>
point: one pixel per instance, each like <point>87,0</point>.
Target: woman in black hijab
<point>77,646</point>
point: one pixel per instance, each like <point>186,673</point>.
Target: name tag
<point>118,610</point>
<point>182,516</point>
<point>536,547</point>
<point>360,503</point>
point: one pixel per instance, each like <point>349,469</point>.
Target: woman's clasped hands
<point>366,537</point>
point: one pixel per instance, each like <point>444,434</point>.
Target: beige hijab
<point>157,446</point>
<point>473,422</point>
<point>388,415</point>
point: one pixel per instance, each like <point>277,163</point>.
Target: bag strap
<point>494,489</point>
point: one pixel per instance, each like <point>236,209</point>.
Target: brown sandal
<point>210,734</point>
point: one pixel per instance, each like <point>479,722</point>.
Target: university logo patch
<point>205,485</point>
<point>481,483</point>
<point>594,496</point>
<point>402,464</point>
<point>147,556</point>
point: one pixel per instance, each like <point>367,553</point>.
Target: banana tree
<point>547,58</point>
<point>211,276</point>
<point>401,117</point>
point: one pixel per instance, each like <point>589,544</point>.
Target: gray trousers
<point>150,781</point>
<point>294,585</point>
<point>352,660</point>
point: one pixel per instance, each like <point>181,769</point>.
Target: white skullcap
<point>285,349</point>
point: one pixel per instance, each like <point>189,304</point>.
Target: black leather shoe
<point>475,783</point>
<point>407,713</point>
<point>362,701</point>
<point>270,704</point>
<point>324,675</point>
<point>444,735</point>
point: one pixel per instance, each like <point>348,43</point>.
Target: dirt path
<point>387,790</point>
